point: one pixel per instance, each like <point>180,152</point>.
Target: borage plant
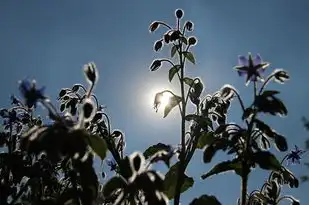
<point>249,143</point>
<point>52,163</point>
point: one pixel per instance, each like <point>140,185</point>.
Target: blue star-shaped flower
<point>295,156</point>
<point>31,93</point>
<point>251,66</point>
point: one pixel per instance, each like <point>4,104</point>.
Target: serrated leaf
<point>224,167</point>
<point>266,160</point>
<point>189,56</point>
<point>150,151</point>
<point>173,50</point>
<point>174,101</point>
<point>170,181</point>
<point>98,145</point>
<point>205,139</point>
<point>113,185</point>
<point>205,200</point>
<point>173,71</point>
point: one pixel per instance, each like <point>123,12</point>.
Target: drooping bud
<point>154,26</point>
<point>156,64</point>
<point>189,26</point>
<point>158,45</point>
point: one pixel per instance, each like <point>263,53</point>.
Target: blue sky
<point>51,41</point>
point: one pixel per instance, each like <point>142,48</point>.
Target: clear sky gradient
<point>51,41</point>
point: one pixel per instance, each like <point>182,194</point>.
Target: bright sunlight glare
<point>165,99</point>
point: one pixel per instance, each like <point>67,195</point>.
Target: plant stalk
<point>181,168</point>
<point>244,184</point>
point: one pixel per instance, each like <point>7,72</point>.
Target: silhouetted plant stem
<point>245,166</point>
<point>181,168</point>
<point>111,147</point>
<point>244,183</point>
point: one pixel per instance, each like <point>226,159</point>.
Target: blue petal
<point>42,90</point>
<point>24,86</point>
<point>243,61</point>
<point>257,60</point>
<point>241,72</point>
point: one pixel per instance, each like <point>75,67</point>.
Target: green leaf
<point>264,128</point>
<point>202,121</point>
<point>210,151</point>
<point>266,160</point>
<point>189,56</point>
<point>205,139</point>
<point>264,142</point>
<point>174,101</point>
<point>270,104</point>
<point>98,145</point>
<point>281,143</point>
<point>170,181</point>
<point>188,81</point>
<point>268,93</point>
<point>173,50</point>
<point>205,200</point>
<point>113,185</point>
<point>224,167</point>
<point>150,151</point>
<point>173,71</point>
<point>198,88</point>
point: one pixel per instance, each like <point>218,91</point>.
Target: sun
<point>165,99</point>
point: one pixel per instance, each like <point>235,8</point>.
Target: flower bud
<point>166,38</point>
<point>189,26</point>
<point>158,45</point>
<point>175,35</point>
<point>154,26</point>
<point>192,41</point>
<point>156,64</point>
<point>179,13</point>
<point>91,72</point>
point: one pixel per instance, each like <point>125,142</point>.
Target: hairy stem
<point>181,168</point>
